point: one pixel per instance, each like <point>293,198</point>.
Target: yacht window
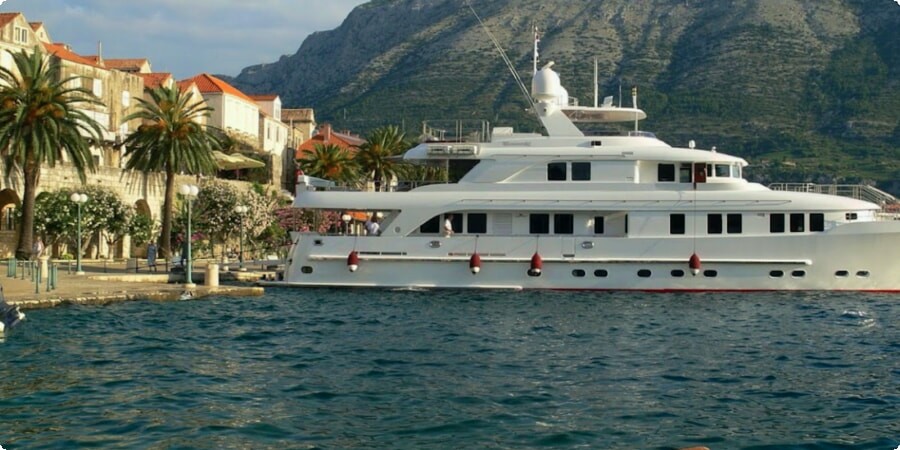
<point>598,225</point>
<point>578,273</point>
<point>581,171</point>
<point>666,172</point>
<point>458,168</point>
<point>677,273</point>
<point>685,172</point>
<point>556,171</point>
<point>626,223</point>
<point>601,273</point>
<point>476,223</point>
<point>851,216</point>
<point>433,226</point>
<point>709,170</point>
<point>776,274</point>
<point>736,171</point>
<point>676,223</point>
<point>734,224</point>
<point>863,274</point>
<point>817,222</point>
<point>842,274</point>
<point>714,224</point>
<point>539,224</point>
<point>456,221</point>
<point>644,273</point>
<point>798,223</point>
<point>776,223</point>
<point>723,171</point>
<point>563,224</point>
<point>710,273</point>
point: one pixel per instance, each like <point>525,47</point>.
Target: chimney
<point>100,52</point>
<point>326,130</point>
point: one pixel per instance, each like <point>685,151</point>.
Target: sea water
<point>335,369</point>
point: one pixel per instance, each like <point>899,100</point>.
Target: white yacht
<point>605,212</point>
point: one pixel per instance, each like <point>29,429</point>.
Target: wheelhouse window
<point>665,172</point>
<point>539,224</point>
<point>723,171</point>
<point>685,173</point>
<point>476,223</point>
<point>556,171</point>
<point>598,225</point>
<point>676,223</point>
<point>563,224</point>
<point>433,226</point>
<point>714,224</point>
<point>817,222</point>
<point>735,226</point>
<point>581,171</point>
<point>776,223</point>
<point>798,223</point>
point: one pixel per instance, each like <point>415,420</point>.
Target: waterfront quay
<point>114,281</point>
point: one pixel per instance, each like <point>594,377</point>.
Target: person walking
<point>448,225</point>
<point>37,249</point>
<point>151,256</point>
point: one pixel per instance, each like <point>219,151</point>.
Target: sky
<point>185,37</point>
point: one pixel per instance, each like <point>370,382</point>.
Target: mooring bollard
<point>55,272</point>
<point>37,279</point>
<point>11,267</point>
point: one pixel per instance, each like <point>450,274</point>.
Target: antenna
<point>509,64</point>
<point>537,39</point>
<point>595,82</point>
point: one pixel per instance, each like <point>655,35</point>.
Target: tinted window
<point>556,171</point>
<point>776,274</point>
<point>644,273</point>
<point>714,224</point>
<point>581,171</point>
<point>798,273</point>
<point>677,273</point>
<point>734,223</point>
<point>432,226</point>
<point>539,224</point>
<point>776,223</point>
<point>841,273</point>
<point>798,223</point>
<point>476,223</point>
<point>563,224</point>
<point>578,273</point>
<point>817,222</point>
<point>666,172</point>
<point>685,173</point>
<point>723,171</point>
<point>456,221</point>
<point>710,273</point>
<point>598,225</point>
<point>676,223</point>
<point>601,273</point>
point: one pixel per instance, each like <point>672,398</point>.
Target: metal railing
<point>856,191</point>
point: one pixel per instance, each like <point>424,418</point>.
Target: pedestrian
<point>448,225</point>
<point>37,249</point>
<point>151,256</point>
<point>372,226</point>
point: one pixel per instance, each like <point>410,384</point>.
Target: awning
<point>236,161</point>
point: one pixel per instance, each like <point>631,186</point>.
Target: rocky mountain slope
<point>807,90</point>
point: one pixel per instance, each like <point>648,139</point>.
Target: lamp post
<point>241,210</point>
<point>78,199</point>
<point>346,218</point>
<point>189,191</point>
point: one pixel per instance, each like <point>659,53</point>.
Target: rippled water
<point>458,369</point>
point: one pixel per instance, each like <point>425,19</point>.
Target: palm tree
<point>40,121</point>
<point>378,157</point>
<point>170,140</point>
<point>331,162</point>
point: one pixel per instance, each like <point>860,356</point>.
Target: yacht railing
<point>457,130</point>
<point>890,206</point>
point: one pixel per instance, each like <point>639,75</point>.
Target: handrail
<point>857,191</point>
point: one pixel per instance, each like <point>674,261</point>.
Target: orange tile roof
<point>123,64</point>
<point>61,52</point>
<point>327,136</point>
<point>209,84</point>
<point>264,97</point>
<point>155,79</point>
<point>185,85</point>
<point>6,18</point>
<point>36,25</point>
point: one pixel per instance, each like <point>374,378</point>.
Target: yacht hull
<point>847,258</point>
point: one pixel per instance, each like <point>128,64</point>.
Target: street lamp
<point>78,199</point>
<point>241,210</point>
<point>346,218</point>
<point>189,191</point>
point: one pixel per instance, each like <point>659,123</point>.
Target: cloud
<point>186,38</point>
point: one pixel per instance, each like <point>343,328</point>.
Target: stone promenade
<point>105,282</point>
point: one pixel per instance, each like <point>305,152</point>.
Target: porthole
<point>644,273</point>
<point>677,273</point>
<point>863,274</point>
<point>435,244</point>
<point>798,273</point>
<point>306,269</point>
<point>776,274</point>
<point>842,274</point>
<point>578,273</point>
<point>587,245</point>
<point>601,273</point>
<point>318,242</point>
<point>710,273</point>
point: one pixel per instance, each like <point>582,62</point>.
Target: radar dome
<point>545,85</point>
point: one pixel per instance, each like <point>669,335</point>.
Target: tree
<point>377,157</point>
<point>170,140</point>
<point>42,119</point>
<point>331,162</point>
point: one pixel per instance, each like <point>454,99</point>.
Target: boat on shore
<point>567,210</point>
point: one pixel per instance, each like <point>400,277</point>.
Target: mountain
<point>806,90</point>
